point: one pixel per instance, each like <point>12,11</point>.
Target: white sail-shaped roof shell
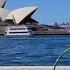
<point>20,14</point>
<point>3,13</point>
<point>2,2</point>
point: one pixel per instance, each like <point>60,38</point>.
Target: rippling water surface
<point>34,51</point>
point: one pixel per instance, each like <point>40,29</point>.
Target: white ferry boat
<point>17,30</point>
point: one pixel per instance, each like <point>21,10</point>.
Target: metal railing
<point>63,53</point>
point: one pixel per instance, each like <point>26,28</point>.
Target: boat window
<point>17,29</point>
<point>17,32</point>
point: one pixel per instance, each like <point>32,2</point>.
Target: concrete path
<point>34,68</point>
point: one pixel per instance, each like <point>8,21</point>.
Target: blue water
<point>34,51</point>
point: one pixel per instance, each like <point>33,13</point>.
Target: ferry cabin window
<point>17,29</point>
<point>17,32</point>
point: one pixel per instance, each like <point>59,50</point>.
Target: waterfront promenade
<point>34,68</point>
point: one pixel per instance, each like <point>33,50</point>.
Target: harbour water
<point>34,51</point>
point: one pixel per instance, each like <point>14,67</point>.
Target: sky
<point>49,11</point>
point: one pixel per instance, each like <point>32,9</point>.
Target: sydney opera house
<point>17,17</point>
